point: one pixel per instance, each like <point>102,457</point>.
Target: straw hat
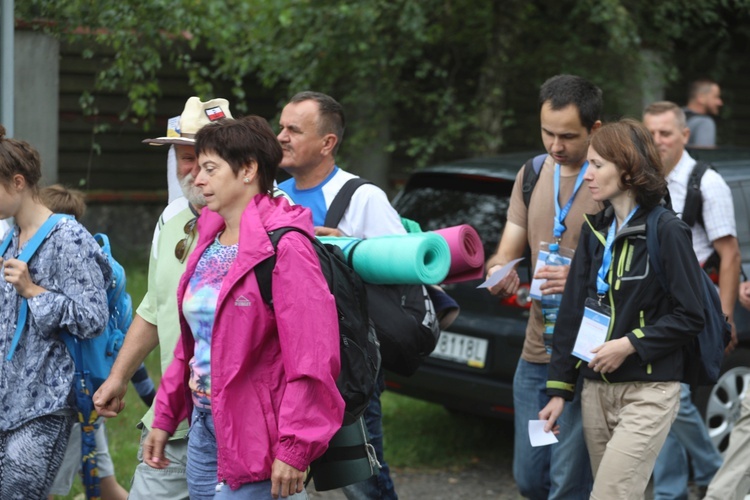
<point>182,129</point>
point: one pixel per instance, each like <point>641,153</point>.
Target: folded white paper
<point>537,435</point>
<point>501,273</point>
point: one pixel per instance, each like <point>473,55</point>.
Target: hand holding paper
<point>501,273</point>
<point>537,435</point>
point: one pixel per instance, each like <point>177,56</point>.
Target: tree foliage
<point>427,79</point>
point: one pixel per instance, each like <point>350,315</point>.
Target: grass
<point>418,435</point>
<point>421,435</point>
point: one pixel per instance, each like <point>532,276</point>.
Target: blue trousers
<point>201,471</point>
<point>688,436</point>
<point>558,471</point>
<point>380,486</point>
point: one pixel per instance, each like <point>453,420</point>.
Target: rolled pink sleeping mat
<point>467,253</point>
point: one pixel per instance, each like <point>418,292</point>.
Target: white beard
<point>193,194</point>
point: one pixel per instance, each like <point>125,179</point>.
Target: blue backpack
<point>704,354</point>
<point>96,356</point>
<point>93,357</point>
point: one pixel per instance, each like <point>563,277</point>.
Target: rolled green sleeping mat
<point>399,259</point>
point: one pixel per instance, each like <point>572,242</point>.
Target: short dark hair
<point>628,144</point>
<point>332,119</point>
<point>563,90</point>
<point>18,157</point>
<point>699,86</point>
<point>62,200</point>
<point>239,142</point>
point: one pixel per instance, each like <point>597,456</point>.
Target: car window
<point>438,201</point>
<point>741,197</point>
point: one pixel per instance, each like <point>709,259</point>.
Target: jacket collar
<point>262,214</point>
<point>600,222</point>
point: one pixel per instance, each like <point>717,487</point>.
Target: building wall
<point>36,79</point>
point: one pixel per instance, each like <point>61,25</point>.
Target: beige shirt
<point>539,223</point>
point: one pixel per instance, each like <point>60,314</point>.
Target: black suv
<point>472,367</point>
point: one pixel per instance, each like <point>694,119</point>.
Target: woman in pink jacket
<point>259,384</point>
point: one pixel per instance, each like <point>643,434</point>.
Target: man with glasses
<point>156,320</point>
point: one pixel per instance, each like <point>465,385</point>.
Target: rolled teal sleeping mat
<point>418,258</point>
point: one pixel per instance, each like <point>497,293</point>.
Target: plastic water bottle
<point>551,303</point>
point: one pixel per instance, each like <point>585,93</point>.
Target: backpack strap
<point>692,212</point>
<point>25,256</point>
<point>531,170</point>
<point>36,241</point>
<point>341,201</point>
<point>264,269</point>
<point>103,241</point>
<point>652,244</point>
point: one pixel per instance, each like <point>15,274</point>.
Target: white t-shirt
<point>369,212</point>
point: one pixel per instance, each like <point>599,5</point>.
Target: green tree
<point>423,80</point>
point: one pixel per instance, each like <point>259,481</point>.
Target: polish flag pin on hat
<point>182,129</point>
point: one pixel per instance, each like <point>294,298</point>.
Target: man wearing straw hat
<point>311,130</point>
<point>156,322</point>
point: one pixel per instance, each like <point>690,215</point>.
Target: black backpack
<point>692,212</point>
<point>704,354</point>
<point>404,315</point>
<point>531,170</point>
<point>360,355</point>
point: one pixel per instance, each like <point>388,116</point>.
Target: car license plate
<point>471,351</point>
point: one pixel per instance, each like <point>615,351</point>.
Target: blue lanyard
<point>602,287</point>
<point>560,214</point>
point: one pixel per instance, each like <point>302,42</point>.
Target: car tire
<point>721,403</point>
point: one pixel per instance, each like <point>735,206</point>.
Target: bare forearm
<point>729,282</point>
<point>496,259</point>
<point>141,339</point>
<point>512,246</point>
<point>728,250</point>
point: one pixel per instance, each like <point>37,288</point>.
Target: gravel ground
<point>482,480</point>
<point>479,481</point>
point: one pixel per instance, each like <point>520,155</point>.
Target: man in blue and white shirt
<point>311,129</point>
<point>667,124</point>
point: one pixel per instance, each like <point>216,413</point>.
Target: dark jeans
<point>558,471</point>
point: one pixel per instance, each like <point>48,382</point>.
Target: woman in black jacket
<point>616,324</point>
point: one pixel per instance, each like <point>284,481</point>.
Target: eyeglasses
<point>182,247</point>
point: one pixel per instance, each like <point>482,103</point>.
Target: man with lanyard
<point>570,109</point>
<point>716,231</point>
<point>311,130</point>
<point>156,321</point>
